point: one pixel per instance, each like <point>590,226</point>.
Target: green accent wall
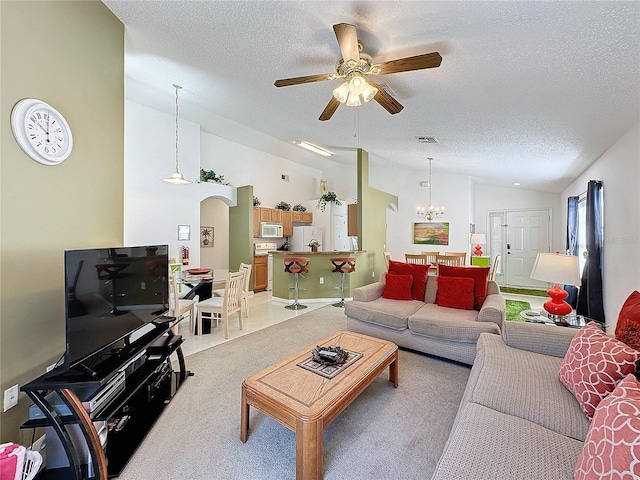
<point>241,230</point>
<point>71,55</point>
<point>372,225</point>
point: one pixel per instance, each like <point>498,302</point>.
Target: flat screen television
<point>111,292</point>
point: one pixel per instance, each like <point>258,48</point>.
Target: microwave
<point>271,230</point>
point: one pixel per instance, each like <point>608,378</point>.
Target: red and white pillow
<point>594,364</point>
<point>612,447</point>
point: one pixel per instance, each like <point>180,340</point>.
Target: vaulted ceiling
<point>530,92</point>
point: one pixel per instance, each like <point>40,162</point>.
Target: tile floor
<point>264,312</point>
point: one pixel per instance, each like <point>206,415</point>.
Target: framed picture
<point>206,236</point>
<point>431,233</point>
<point>184,232</point>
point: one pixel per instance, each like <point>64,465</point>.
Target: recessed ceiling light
<point>517,184</point>
<point>313,148</point>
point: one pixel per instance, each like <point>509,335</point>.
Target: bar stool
<point>342,265</point>
<point>297,266</point>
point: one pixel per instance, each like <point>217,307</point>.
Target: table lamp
<point>561,270</point>
<point>479,239</point>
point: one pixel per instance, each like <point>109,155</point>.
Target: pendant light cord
<point>177,87</point>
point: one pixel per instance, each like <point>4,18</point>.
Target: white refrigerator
<point>303,235</point>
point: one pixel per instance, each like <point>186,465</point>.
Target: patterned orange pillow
<point>593,366</point>
<point>612,446</point>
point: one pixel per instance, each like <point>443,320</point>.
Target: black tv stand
<point>150,383</point>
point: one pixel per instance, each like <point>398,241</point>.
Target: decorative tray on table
<point>329,361</point>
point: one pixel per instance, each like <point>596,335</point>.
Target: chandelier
<point>176,177</point>
<point>430,212</point>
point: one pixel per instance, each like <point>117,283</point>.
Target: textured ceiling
<point>529,92</point>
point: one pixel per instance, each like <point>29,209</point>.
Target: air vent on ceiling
<point>387,89</point>
<point>427,139</point>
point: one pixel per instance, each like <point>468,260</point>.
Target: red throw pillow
<point>398,287</point>
<point>455,292</point>
<point>420,274</point>
<point>593,366</point>
<point>479,275</point>
<point>612,446</point>
<point>629,321</point>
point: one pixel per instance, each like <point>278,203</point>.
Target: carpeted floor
<point>385,433</point>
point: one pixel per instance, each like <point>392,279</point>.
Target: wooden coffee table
<point>306,402</point>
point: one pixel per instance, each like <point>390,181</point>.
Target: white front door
<point>527,234</point>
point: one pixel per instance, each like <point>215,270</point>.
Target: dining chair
<point>219,292</point>
<point>431,257</point>
<point>450,260</point>
<point>416,258</point>
<point>462,255</point>
<point>495,267</point>
<point>180,306</point>
<point>387,257</point>
<point>221,308</point>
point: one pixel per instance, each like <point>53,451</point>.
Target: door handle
<point>508,249</point>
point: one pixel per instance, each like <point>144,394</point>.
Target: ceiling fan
<point>354,66</point>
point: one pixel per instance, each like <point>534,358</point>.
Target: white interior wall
<point>153,209</point>
<point>619,170</point>
<point>452,191</point>
<point>243,165</point>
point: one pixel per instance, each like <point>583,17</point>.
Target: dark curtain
<point>572,245</point>
<point>590,302</point>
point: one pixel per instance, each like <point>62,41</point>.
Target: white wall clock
<point>41,131</point>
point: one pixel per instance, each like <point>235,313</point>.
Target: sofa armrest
<point>368,293</point>
<point>493,309</point>
<point>538,338</point>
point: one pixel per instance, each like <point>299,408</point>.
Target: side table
<point>571,321</point>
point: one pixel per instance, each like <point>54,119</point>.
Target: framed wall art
<point>184,232</point>
<point>431,233</point>
<point>206,236</point>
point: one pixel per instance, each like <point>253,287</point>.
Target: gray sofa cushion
<point>453,324</point>
<point>488,445</point>
<point>524,384</point>
<point>383,311</point>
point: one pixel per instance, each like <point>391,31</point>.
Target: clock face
<point>41,131</point>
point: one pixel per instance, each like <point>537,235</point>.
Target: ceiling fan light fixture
<point>342,92</point>
<point>353,100</point>
<point>369,92</point>
<point>357,84</point>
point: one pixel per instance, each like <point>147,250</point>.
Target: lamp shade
<point>478,238</point>
<point>556,268</point>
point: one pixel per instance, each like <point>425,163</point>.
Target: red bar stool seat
<point>343,266</point>
<point>296,266</point>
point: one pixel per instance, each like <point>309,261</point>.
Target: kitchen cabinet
<point>276,215</point>
<point>265,214</point>
<point>307,217</point>
<point>352,220</point>
<point>256,221</point>
<point>297,216</point>
<point>260,273</point>
<point>287,223</point>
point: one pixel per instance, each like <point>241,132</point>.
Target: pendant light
<point>176,177</point>
<point>431,211</point>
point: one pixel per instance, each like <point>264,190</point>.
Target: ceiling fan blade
<point>329,110</point>
<point>389,103</point>
<point>426,60</point>
<point>348,41</point>
<point>285,82</point>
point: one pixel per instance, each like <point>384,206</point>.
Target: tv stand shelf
<point>149,384</point>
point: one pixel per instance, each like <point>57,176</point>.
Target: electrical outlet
<point>11,397</point>
<point>143,285</point>
<point>373,274</point>
<point>321,280</point>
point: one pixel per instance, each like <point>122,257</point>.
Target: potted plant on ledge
<point>329,197</point>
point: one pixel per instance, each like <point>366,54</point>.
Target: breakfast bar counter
<point>320,283</point>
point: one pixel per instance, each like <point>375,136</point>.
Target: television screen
<point>112,292</point>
